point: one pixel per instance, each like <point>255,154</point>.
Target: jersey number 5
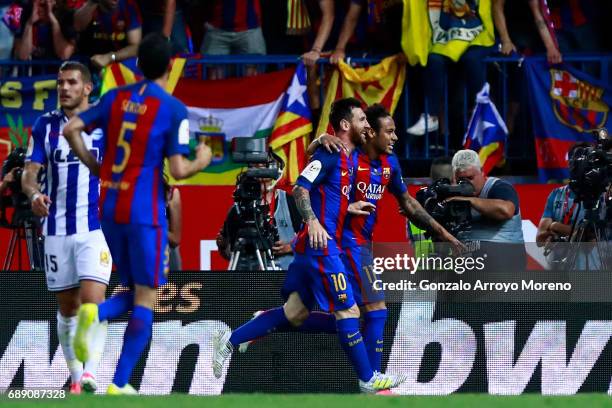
<point>125,145</point>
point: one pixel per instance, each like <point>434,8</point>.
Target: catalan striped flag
<point>293,127</point>
<point>127,72</point>
<point>486,132</point>
<point>298,21</point>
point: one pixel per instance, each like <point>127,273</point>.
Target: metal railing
<point>499,75</point>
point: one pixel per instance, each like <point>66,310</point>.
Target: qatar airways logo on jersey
<point>371,191</point>
<point>346,191</point>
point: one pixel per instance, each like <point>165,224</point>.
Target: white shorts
<point>72,258</point>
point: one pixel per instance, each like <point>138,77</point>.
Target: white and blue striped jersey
<point>73,190</point>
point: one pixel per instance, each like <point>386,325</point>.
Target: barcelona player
<point>142,125</point>
<point>317,273</point>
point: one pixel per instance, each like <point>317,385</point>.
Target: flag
<point>486,132</point>
<point>292,128</point>
<point>127,72</point>
<point>220,110</point>
<point>445,27</point>
<point>381,83</point>
<point>566,106</point>
<point>298,20</point>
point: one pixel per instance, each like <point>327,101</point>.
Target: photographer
<point>496,216</point>
<point>283,211</point>
<point>562,211</point>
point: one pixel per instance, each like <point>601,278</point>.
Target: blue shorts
<point>320,278</point>
<point>358,264</point>
<point>140,252</point>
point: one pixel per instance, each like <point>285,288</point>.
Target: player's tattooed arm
<point>302,200</point>
<point>317,235</point>
<point>417,214</point>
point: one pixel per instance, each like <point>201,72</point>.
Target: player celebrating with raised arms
<point>142,125</point>
<point>77,260</point>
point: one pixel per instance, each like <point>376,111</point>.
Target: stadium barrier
<point>510,348</point>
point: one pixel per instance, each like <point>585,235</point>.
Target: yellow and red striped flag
<point>127,72</point>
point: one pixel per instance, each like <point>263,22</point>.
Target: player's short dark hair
<point>575,146</point>
<point>154,54</point>
<point>342,109</point>
<point>374,113</point>
<point>77,66</point>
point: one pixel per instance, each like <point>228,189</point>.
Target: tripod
<point>248,238</point>
<point>24,230</point>
<point>589,228</point>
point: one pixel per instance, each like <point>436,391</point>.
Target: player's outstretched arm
<point>182,168</point>
<point>72,133</point>
<point>317,235</point>
<point>419,217</point>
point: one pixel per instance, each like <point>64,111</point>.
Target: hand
<point>35,16</point>
<point>507,47</point>
<point>281,248</point>
<point>456,245</point>
<point>40,206</point>
<point>553,56</point>
<point>50,4</point>
<point>332,143</point>
<point>101,60</point>
<point>337,56</point>
<point>361,208</point>
<point>310,58</point>
<point>317,235</point>
<point>203,155</point>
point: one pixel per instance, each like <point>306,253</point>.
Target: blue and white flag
<point>486,132</point>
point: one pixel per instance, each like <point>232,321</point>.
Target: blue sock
<point>373,333</point>
<point>352,343</point>
<point>262,325</point>
<point>116,306</point>
<point>135,340</point>
<point>317,322</point>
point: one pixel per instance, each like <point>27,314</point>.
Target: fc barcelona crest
<point>576,103</point>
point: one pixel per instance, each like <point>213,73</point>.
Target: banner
<point>22,101</point>
<point>220,110</point>
<point>445,27</point>
<point>566,106</point>
<point>381,83</point>
<point>443,348</point>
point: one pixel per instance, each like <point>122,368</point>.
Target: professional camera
<point>591,170</point>
<point>257,232</point>
<point>24,223</point>
<point>455,216</point>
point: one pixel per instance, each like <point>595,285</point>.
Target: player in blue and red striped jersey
<point>317,273</point>
<point>142,125</point>
<point>378,170</point>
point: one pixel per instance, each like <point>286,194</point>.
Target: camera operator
<point>283,211</point>
<point>495,212</point>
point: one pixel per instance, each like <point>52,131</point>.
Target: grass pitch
<point>315,401</point>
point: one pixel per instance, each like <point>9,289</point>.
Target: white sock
<point>66,328</point>
<point>97,347</point>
